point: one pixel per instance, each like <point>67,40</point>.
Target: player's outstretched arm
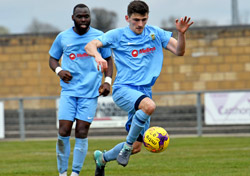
<point>91,49</point>
<point>178,46</point>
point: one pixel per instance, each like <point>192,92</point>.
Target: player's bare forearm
<point>53,63</point>
<point>181,43</point>
<point>105,87</point>
<point>109,71</point>
<point>91,48</point>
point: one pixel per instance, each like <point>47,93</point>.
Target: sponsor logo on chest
<point>73,56</point>
<point>144,51</point>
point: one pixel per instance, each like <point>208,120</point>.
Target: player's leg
<point>85,114</point>
<point>81,146</point>
<point>143,107</point>
<point>66,115</point>
<point>111,155</point>
<point>101,158</point>
<point>63,153</point>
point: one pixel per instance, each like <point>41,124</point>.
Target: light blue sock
<point>113,153</point>
<point>80,152</point>
<point>62,152</point>
<point>138,123</point>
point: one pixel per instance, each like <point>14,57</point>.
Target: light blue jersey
<point>86,78</point>
<point>138,58</point>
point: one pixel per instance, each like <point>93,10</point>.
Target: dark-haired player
<point>138,57</point>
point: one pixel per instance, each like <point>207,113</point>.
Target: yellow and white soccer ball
<point>156,139</point>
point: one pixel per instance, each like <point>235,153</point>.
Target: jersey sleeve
<point>109,38</point>
<point>56,49</point>
<point>164,36</point>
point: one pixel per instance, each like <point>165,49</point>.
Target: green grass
<point>205,156</point>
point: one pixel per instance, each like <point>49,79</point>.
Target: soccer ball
<point>156,139</point>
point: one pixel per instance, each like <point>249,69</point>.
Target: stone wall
<point>216,58</point>
<point>24,69</point>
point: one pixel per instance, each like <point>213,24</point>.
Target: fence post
<point>199,114</point>
<point>21,120</point>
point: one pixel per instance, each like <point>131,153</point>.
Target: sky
<point>17,15</point>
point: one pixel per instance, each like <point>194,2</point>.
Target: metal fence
<point>198,95</point>
<point>21,109</point>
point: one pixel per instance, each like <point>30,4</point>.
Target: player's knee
<point>65,128</point>
<point>64,132</point>
<point>150,108</point>
<point>147,105</point>
<point>81,133</point>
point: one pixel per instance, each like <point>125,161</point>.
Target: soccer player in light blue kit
<point>138,58</point>
<point>81,85</point>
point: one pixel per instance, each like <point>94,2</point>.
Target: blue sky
<point>16,15</point>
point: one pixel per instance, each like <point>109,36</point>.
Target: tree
<point>39,27</point>
<point>4,30</point>
<point>168,23</point>
<point>204,23</point>
<point>102,19</point>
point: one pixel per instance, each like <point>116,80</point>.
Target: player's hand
<point>65,76</point>
<point>101,63</point>
<point>104,89</point>
<point>183,25</point>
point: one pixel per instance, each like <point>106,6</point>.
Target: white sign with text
<point>227,108</point>
<point>2,129</point>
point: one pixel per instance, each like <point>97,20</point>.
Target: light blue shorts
<point>126,97</point>
<point>71,108</point>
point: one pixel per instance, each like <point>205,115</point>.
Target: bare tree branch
<point>103,20</point>
<point>39,27</point>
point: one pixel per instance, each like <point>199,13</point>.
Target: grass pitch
<point>204,156</point>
